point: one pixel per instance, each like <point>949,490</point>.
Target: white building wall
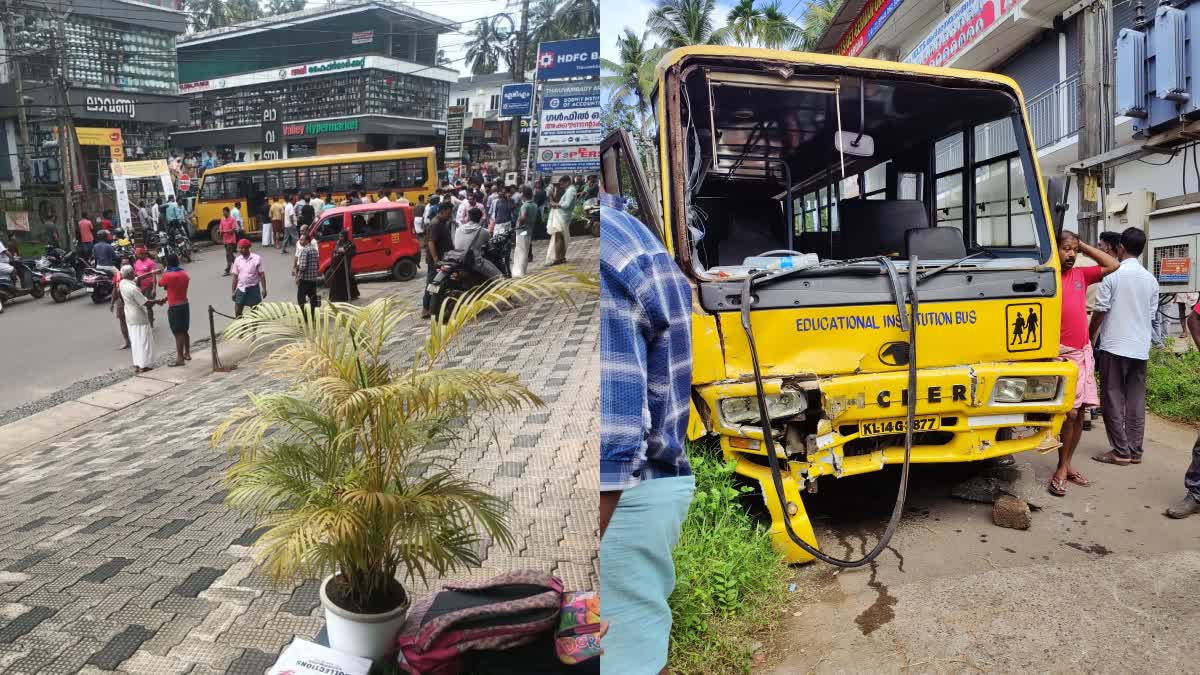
<point>9,129</point>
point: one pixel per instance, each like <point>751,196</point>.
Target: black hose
<point>769,441</point>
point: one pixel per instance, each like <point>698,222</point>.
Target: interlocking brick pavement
<point>117,554</point>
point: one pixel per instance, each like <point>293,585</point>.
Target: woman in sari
<point>340,279</point>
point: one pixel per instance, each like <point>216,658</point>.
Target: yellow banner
<point>142,169</point>
<point>98,136</point>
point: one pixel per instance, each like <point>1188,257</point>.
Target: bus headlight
<point>745,408</point>
<point>1021,389</point>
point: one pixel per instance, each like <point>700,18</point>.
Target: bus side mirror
<point>1058,188</point>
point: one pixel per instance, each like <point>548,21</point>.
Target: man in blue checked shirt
<point>646,483</point>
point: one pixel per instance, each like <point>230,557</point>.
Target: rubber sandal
<point>1078,479</point>
<point>176,364</point>
<point>1110,458</point>
<point>1057,487</point>
<point>1135,460</point>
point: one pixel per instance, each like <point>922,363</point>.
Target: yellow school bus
<point>833,216</point>
<point>406,173</point>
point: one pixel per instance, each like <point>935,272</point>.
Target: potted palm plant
<point>350,465</point>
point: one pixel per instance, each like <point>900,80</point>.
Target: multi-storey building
<point>345,77</point>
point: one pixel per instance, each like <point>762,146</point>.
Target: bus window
<point>413,172</point>
<point>212,187</point>
<point>318,177</point>
<point>948,183</point>
<point>287,180</point>
<point>381,175</point>
<point>273,186</point>
<point>303,182</point>
<point>875,181</point>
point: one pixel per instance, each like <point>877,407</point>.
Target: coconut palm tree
<point>743,24</point>
<point>485,46</point>
<point>579,18</point>
<point>776,30</point>
<point>351,465</point>
<point>633,75</point>
<point>276,7</point>
<point>817,17</point>
<point>679,23</point>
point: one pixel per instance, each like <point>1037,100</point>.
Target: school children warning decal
<point>1024,326</point>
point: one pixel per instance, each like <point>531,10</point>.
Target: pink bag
<point>507,611</point>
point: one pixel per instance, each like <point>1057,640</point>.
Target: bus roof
<point>811,58</point>
<point>319,160</point>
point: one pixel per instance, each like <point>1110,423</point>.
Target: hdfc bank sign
<point>569,58</point>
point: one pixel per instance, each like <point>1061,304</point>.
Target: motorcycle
<point>100,281</point>
<point>591,209</point>
<point>457,273</point>
<point>63,274</point>
<point>31,283</point>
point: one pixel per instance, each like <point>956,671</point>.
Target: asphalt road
<point>46,347</point>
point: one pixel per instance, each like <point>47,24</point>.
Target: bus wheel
<point>404,269</point>
<point>214,231</point>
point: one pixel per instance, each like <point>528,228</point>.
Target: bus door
<point>370,245</point>
<point>254,189</point>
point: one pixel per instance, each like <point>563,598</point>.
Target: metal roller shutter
<point>1036,68</point>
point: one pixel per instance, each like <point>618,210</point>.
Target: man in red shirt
<point>176,281</point>
<point>105,222</point>
<point>86,236</point>
<point>228,230</point>
<point>1076,346</point>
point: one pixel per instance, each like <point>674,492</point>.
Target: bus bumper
<point>960,415</point>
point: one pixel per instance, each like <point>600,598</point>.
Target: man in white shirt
<point>1122,329</point>
<point>289,213</point>
<point>318,204</point>
<point>464,209</point>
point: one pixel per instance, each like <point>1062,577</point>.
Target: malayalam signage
<point>364,37</point>
<point>516,100</point>
<point>455,120</point>
<point>578,159</point>
<point>318,128</point>
<point>568,58</point>
<point>570,115</point>
<point>865,26</point>
<point>965,25</point>
<point>272,132</point>
<point>320,68</point>
<point>1174,270</point>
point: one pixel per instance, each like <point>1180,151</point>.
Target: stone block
<point>1008,511</point>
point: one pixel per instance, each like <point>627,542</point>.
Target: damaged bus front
<point>811,200</point>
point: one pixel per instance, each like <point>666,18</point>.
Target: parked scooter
<point>31,283</point>
<point>457,273</point>
<point>591,209</point>
<point>63,274</point>
<point>100,281</point>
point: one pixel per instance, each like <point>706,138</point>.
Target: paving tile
<point>25,623</point>
<point>171,528</point>
<point>106,571</point>
<point>251,662</point>
<point>197,581</point>
<point>29,561</point>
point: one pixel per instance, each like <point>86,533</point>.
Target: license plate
<point>885,427</point>
<point>433,288</point>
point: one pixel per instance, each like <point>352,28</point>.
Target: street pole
<point>66,127</point>
<point>518,75</point>
<point>1089,137</point>
<point>23,158</point>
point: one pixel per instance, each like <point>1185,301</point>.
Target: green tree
<point>276,7</point>
<point>776,30</point>
<point>766,26</point>
<point>207,14</point>
<point>679,23</point>
<point>814,23</point>
<point>442,59</point>
<point>743,23</point>
<point>579,18</point>
<point>238,11</point>
<point>633,75</point>
<point>486,46</point>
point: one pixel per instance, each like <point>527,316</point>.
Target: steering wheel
<point>778,253</point>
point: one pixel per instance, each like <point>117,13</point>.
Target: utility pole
<point>65,124</point>
<point>518,75</point>
<point>1094,45</point>
<point>23,158</point>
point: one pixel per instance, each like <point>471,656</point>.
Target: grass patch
<point>729,586</point>
<point>1173,384</point>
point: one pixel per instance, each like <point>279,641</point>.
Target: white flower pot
<point>371,636</point>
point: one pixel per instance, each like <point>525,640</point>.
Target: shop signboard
<point>576,159</point>
<point>568,58</point>
<point>865,26</point>
<point>516,99</point>
<point>455,119</point>
<point>965,25</point>
<point>272,132</point>
<point>123,172</point>
<point>570,115</point>
<point>321,127</point>
<point>16,221</point>
<point>364,37</point>
<point>110,138</point>
<point>316,68</point>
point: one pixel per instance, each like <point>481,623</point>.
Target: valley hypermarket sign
<point>318,128</point>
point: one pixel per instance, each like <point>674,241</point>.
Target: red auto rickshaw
<point>383,238</point>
